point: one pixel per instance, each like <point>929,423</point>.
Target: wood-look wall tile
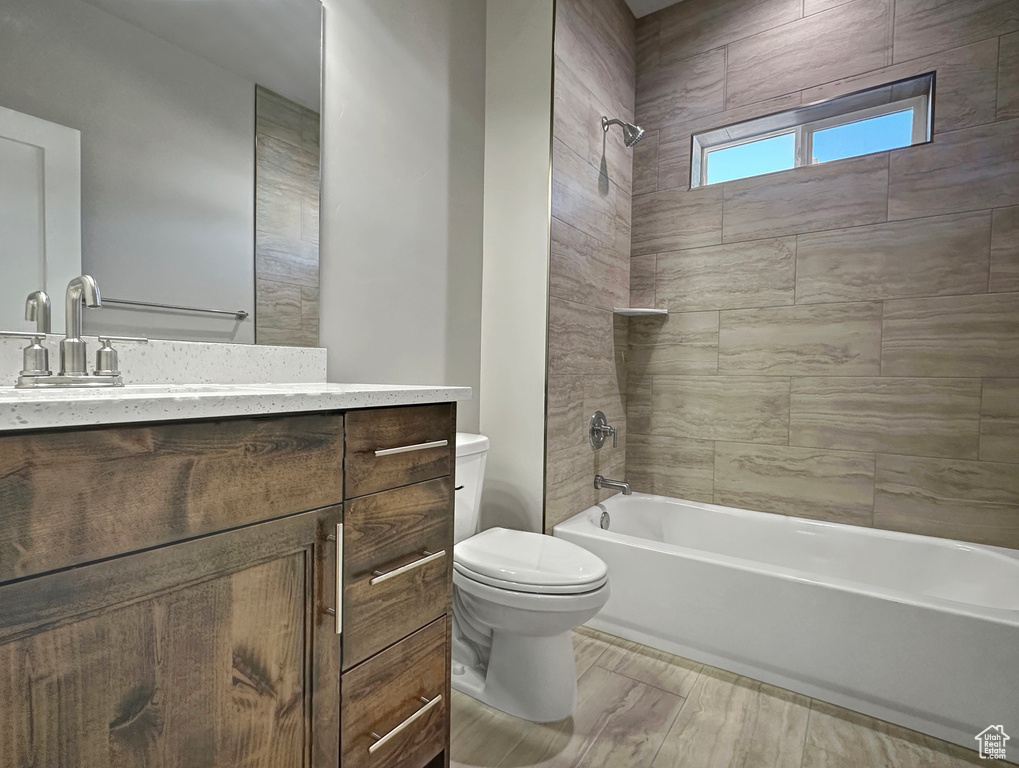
<point>681,130</point>
<point>648,47</point>
<point>1008,77</point>
<point>670,221</point>
<point>735,721</point>
<point>591,37</point>
<point>310,219</point>
<point>923,27</point>
<point>843,193</point>
<point>584,198</point>
<point>580,339</point>
<point>286,120</point>
<point>965,170</point>
<point>966,92</point>
<point>674,163</point>
<point>837,486</point>
<point>971,500</point>
<point>285,337</point>
<point>284,168</point>
<point>740,408</point>
<point>704,25</point>
<point>759,273</point>
<point>670,466</point>
<point>645,165</point>
<point>828,339</point>
<point>679,343</point>
<point>564,413</point>
<point>309,316</point>
<point>673,92</point>
<point>939,256</point>
<point>999,421</point>
<point>846,40</point>
<point>952,336</point>
<point>286,259</point>
<point>1005,250</point>
<point>577,123</point>
<point>585,270</point>
<point>925,417</point>
<point>638,403</point>
<point>277,305</point>
<point>642,281</point>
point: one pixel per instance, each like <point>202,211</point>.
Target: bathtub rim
<point>584,524</point>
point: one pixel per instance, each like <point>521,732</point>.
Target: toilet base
<point>533,678</point>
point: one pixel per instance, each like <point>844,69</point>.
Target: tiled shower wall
<point>843,339</point>
<point>286,221</point>
<point>595,67</point>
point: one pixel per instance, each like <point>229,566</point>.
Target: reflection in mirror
<point>199,164</point>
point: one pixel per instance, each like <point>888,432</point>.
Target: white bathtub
<point>915,630</point>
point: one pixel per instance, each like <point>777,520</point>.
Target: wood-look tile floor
<point>642,708</point>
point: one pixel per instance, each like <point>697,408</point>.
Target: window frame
<point>913,93</point>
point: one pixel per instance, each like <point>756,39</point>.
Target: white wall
<point>518,136</point>
<point>403,163</point>
<point>167,161</point>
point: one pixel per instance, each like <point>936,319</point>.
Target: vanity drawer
<point>77,496</point>
<point>402,540</point>
<point>401,696</point>
<point>390,447</point>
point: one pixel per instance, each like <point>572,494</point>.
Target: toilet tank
<point>471,451</point>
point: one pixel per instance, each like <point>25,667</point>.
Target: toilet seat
<point>522,561</point>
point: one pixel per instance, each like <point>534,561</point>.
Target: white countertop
<point>22,409</point>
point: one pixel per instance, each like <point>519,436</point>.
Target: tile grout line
<point>806,732</point>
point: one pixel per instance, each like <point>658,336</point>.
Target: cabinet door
<point>213,652</point>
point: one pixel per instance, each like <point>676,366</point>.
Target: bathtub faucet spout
<point>603,482</point>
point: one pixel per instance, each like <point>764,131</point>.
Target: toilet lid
<point>522,559</point>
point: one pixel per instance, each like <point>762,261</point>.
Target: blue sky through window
<point>752,159</point>
<point>875,134</point>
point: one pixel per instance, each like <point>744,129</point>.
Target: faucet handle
<point>106,355</point>
<point>36,358</point>
<point>599,429</point>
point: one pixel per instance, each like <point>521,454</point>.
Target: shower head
<point>631,133</point>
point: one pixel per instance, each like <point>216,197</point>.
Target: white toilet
<point>516,597</point>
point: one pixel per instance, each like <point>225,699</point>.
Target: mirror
<point>191,129</point>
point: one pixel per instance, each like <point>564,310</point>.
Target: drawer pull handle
<point>428,557</point>
<point>411,448</point>
<point>338,610</point>
<point>380,741</point>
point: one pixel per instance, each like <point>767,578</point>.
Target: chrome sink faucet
<point>81,291</point>
<point>620,485</point>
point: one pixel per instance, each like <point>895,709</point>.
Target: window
<point>875,120</point>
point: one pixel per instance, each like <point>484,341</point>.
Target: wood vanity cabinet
<point>397,586</point>
<point>167,595</point>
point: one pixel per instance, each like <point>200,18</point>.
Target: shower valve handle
<point>600,429</point>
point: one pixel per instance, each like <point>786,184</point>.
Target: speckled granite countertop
<point>22,409</point>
